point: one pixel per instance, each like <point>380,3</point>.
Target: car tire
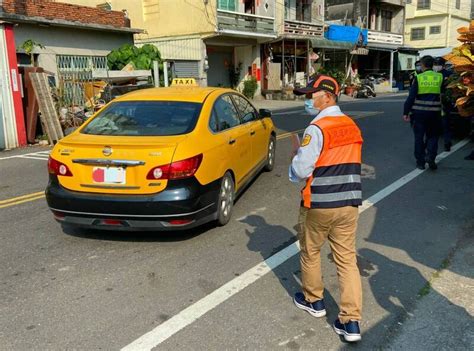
<point>270,155</point>
<point>225,199</point>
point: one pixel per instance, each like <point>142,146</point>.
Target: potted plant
<point>250,87</point>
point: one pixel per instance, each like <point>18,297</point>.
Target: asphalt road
<point>230,287</point>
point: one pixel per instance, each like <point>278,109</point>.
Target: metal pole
<point>156,73</point>
<point>294,66</point>
<point>391,69</point>
<point>283,62</point>
<point>308,62</point>
<point>165,72</point>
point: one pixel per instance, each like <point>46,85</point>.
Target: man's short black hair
<point>427,61</point>
<point>440,61</point>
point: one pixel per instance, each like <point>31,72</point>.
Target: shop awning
<point>383,47</point>
<point>435,52</point>
<point>323,43</point>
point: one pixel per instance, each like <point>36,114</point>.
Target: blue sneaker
<point>315,309</point>
<point>350,330</point>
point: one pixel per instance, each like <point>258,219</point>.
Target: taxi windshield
<point>145,118</point>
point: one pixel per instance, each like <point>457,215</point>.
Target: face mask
<point>309,108</point>
<point>418,69</point>
<point>437,68</point>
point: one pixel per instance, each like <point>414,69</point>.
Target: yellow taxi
<point>160,159</point>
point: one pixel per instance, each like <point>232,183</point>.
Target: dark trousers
<point>446,120</point>
<point>427,130</point>
<point>447,128</point>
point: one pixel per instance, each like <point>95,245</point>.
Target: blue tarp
<point>350,34</point>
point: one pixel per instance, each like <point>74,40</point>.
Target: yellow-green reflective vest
<point>429,82</point>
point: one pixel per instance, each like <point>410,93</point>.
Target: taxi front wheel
<point>225,200</point>
<point>271,155</point>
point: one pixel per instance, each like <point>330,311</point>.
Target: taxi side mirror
<point>264,113</point>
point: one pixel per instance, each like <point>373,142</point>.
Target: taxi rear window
<point>145,118</point>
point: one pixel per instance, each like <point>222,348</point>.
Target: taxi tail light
<point>176,170</point>
<point>58,168</point>
<point>179,222</point>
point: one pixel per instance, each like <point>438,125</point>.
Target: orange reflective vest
<point>335,181</point>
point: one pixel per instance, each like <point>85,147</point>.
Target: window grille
<point>418,34</point>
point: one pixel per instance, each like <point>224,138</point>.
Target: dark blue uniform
<point>425,111</point>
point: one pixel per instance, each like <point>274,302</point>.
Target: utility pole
<point>448,32</point>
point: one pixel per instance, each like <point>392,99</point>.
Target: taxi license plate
<point>108,175</point>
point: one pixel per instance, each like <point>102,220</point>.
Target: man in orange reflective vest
<point>329,161</point>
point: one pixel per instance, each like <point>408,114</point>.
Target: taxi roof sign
<point>184,81</point>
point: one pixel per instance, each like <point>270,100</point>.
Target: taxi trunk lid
<point>104,164</point>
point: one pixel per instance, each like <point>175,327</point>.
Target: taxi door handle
<point>231,141</point>
<point>252,132</point>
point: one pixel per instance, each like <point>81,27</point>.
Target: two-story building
<point>289,60</point>
<point>218,42</point>
<point>431,25</point>
<point>221,42</point>
<point>384,21</point>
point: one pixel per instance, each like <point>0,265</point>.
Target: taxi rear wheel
<point>270,154</point>
<point>225,201</point>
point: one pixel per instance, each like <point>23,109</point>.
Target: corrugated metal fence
<point>73,73</point>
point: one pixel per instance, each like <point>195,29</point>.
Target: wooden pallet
<point>49,118</point>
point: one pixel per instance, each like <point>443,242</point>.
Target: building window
<point>418,33</point>
<point>423,4</point>
<point>303,10</point>
<point>408,1</point>
<point>386,21</point>
<point>458,4</point>
<point>435,30</point>
<point>249,6</point>
<point>227,5</point>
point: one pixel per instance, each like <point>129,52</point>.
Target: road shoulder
<point>443,319</point>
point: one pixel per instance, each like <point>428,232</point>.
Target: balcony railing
<point>245,24</point>
<point>384,38</point>
<point>304,28</point>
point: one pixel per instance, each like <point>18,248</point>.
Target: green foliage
<point>337,74</point>
<point>250,87</point>
<point>29,46</point>
<point>234,74</point>
<point>140,58</point>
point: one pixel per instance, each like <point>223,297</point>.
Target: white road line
<point>34,158</point>
<point>40,153</point>
<point>220,295</point>
<point>405,179</point>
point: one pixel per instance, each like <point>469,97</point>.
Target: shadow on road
<point>137,236</point>
<point>391,283</point>
<point>289,274</point>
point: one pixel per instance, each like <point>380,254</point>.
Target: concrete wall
<point>440,7</point>
<point>453,34</point>
<point>431,41</point>
<point>165,18</point>
<point>447,37</point>
<point>58,41</point>
<point>317,10</point>
<point>248,55</point>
